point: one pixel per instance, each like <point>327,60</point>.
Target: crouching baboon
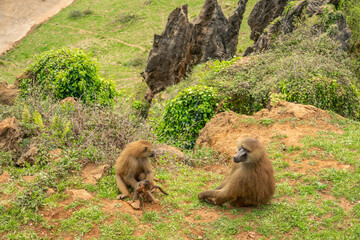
<point>133,165</point>
<point>143,190</point>
<point>250,180</point>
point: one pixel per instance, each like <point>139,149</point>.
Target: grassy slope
<point>312,205</point>
<point>119,33</point>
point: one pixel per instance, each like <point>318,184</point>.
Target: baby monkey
<point>143,190</point>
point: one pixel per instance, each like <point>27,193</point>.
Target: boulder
<point>264,12</point>
<point>183,44</point>
<point>10,134</point>
<point>8,93</point>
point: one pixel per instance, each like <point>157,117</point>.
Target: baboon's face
<point>249,150</point>
<point>148,151</point>
<point>241,155</point>
<point>144,185</point>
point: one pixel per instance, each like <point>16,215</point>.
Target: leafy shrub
<point>69,73</point>
<point>186,114</point>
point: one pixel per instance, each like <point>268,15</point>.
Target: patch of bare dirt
<point>289,122</point>
<point>4,177</point>
<point>8,93</point>
<point>92,173</point>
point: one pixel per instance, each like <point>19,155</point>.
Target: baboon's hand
<point>122,196</point>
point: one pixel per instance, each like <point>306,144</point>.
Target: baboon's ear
<point>145,149</point>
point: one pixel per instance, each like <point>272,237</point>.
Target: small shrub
<point>77,14</point>
<point>186,114</point>
<point>69,73</point>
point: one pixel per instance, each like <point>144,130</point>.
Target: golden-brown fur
<point>143,189</point>
<point>250,180</point>
<point>133,165</point>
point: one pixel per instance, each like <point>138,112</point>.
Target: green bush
<point>186,114</point>
<point>68,73</point>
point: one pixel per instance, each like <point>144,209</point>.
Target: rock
<point>8,93</point>
<point>183,44</point>
<point>28,157</point>
<point>264,12</point>
<point>10,134</point>
<point>68,100</point>
<point>92,173</point>
<point>135,205</point>
<point>79,194</point>
<point>283,22</point>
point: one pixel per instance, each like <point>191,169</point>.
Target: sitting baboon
<point>143,190</point>
<point>133,165</point>
<point>250,180</point>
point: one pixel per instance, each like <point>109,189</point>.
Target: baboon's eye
<point>245,149</point>
<point>145,149</point>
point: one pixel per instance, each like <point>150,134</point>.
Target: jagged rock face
<point>183,44</point>
<point>264,12</point>
<point>284,24</point>
<point>165,66</point>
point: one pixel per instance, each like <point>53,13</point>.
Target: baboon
<point>143,190</point>
<point>133,165</point>
<point>249,182</point>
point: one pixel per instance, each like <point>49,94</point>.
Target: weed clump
<point>78,14</point>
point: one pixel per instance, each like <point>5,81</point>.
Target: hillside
<point>298,94</point>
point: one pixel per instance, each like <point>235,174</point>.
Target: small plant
<point>267,122</point>
<point>68,73</point>
<point>186,114</point>
<point>77,13</point>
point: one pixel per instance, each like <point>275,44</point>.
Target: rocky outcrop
<point>264,12</point>
<point>266,27</point>
<point>183,44</point>
<point>8,93</point>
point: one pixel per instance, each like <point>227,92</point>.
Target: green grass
<point>317,205</point>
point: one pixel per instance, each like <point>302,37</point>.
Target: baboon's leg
<point>122,187</point>
<point>215,196</point>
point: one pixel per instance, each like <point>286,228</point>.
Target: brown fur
<point>133,165</point>
<point>248,183</point>
<point>143,190</point>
